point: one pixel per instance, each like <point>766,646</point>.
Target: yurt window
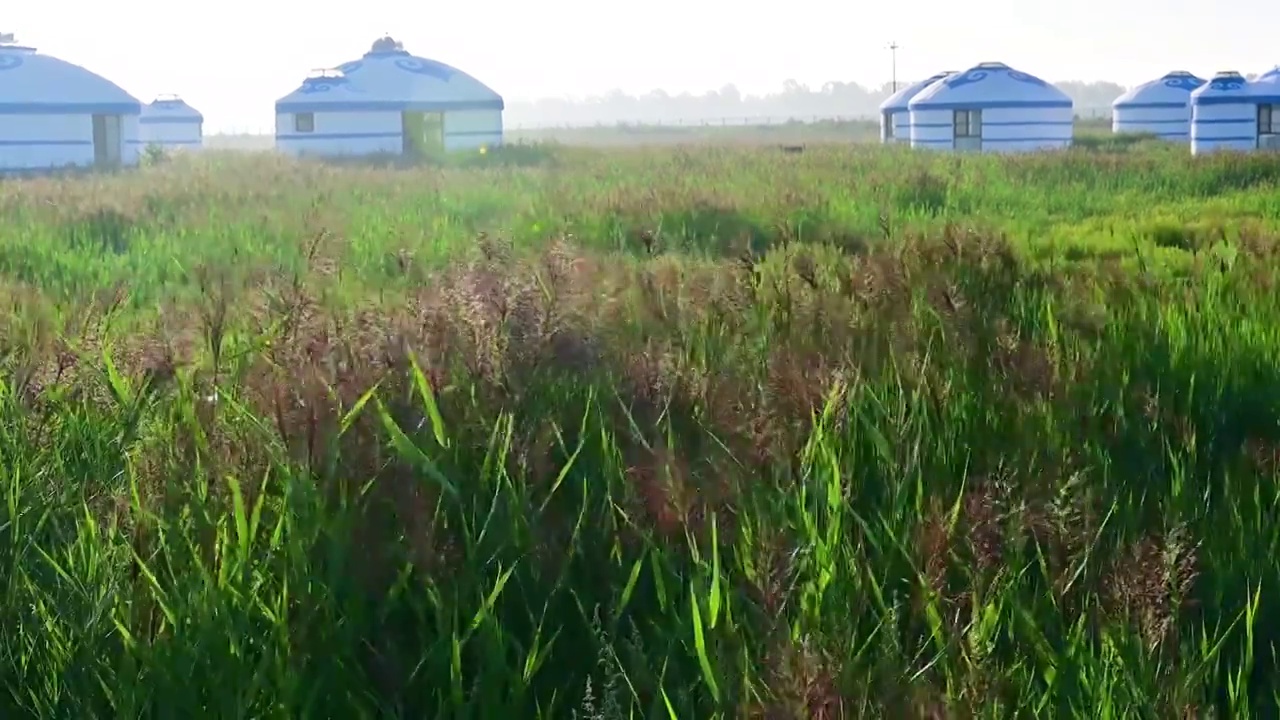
<point>304,122</point>
<point>968,123</point>
<point>1267,124</point>
<point>888,126</point>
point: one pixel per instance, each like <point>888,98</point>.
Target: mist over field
<point>846,100</point>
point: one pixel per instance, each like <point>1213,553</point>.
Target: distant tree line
<point>728,104</point>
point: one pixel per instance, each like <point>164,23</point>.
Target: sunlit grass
<point>679,434</point>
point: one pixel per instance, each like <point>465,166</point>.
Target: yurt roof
<point>170,108</point>
<point>1265,90</point>
<point>1172,90</point>
<point>1224,88</point>
<point>321,90</point>
<point>388,77</point>
<point>990,85</point>
<point>32,82</point>
<point>898,101</point>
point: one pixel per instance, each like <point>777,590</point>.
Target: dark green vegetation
<point>681,434</point>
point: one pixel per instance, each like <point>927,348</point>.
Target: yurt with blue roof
<point>895,118</point>
<point>389,102</point>
<point>55,114</point>
<point>991,108</point>
<point>1231,113</point>
<point>1161,107</point>
<point>169,123</point>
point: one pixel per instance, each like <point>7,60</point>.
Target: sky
<point>234,61</point>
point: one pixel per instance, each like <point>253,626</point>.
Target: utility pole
<point>893,53</point>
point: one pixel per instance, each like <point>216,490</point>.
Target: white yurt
<point>389,101</point>
<point>992,108</point>
<point>169,123</point>
<point>895,119</point>
<point>1224,115</point>
<point>1161,107</point>
<point>54,114</point>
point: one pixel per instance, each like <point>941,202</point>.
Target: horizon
<point>233,63</point>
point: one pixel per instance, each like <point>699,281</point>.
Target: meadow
<point>684,433</point>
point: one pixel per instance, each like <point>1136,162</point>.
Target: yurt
<point>1265,92</point>
<point>1226,113</point>
<point>895,119</point>
<point>54,114</point>
<point>1161,107</point>
<point>389,101</point>
<point>991,108</point>
<point>169,123</point>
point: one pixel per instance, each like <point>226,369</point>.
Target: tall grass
<point>713,433</point>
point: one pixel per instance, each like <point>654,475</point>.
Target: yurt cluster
<point>993,108</point>
<point>55,114</point>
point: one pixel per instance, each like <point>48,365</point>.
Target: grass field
<point>683,433</point>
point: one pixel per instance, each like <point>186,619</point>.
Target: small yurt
<point>1224,115</point>
<point>389,101</point>
<point>991,108</point>
<point>54,114</point>
<point>1161,107</point>
<point>895,119</point>
<point>169,123</point>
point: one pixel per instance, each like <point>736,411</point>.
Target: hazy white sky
<point>233,58</point>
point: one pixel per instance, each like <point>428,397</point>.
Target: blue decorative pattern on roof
<point>1163,93</point>
<point>322,85</point>
<point>422,66</point>
<point>406,62</point>
<point>979,74</point>
<point>1183,81</point>
<point>1226,88</point>
<point>10,61</point>
<point>1234,82</point>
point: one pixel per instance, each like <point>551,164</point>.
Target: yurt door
<point>423,134</point>
<point>106,140</point>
